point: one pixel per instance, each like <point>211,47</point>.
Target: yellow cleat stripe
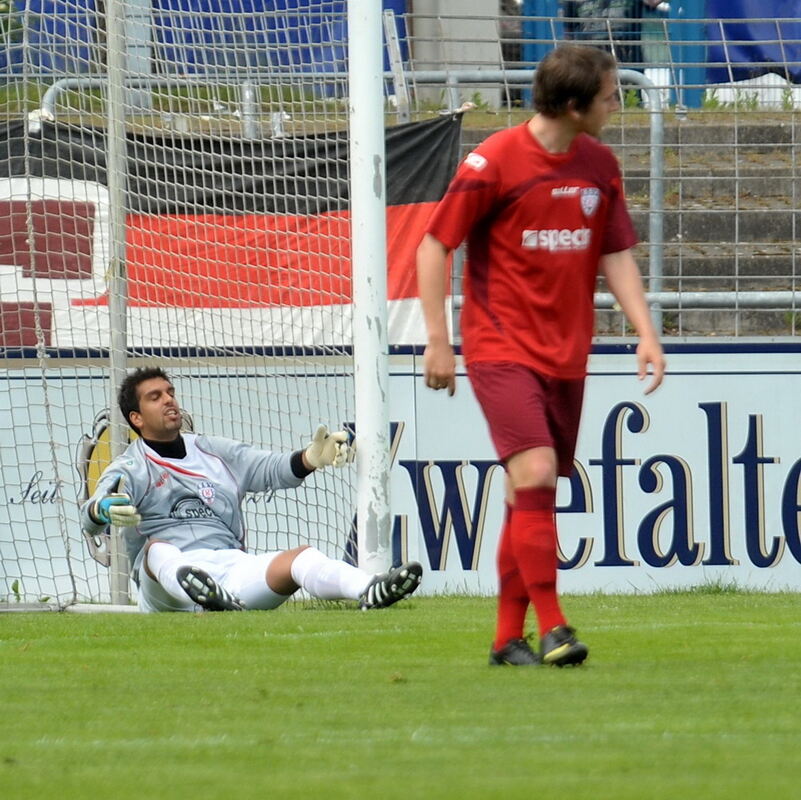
<point>556,653</point>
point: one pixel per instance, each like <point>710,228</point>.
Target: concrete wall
<point>439,42</point>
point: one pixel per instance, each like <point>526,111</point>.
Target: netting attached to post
<point>237,269</point>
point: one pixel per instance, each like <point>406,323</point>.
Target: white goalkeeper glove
<point>116,509</point>
<point>327,449</point>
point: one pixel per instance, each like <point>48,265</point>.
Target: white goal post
<point>208,198</point>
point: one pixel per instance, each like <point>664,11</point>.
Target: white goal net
<point>228,181</point>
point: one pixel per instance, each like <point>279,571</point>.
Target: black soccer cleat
<point>515,653</point>
<point>559,647</point>
<point>205,591</point>
<point>389,587</point>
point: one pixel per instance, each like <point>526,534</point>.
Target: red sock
<point>533,534</point>
<point>512,598</point>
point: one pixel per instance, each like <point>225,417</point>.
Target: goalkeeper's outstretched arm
<point>259,470</point>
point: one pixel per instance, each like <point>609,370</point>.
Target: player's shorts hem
<point>525,409</point>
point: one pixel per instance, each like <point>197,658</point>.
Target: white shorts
<point>242,574</point>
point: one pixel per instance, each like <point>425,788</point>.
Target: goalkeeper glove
<point>116,509</point>
<point>327,449</point>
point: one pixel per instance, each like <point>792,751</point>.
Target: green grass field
<point>685,695</point>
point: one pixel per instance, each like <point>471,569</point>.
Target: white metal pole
<point>116,170</point>
<point>369,252</point>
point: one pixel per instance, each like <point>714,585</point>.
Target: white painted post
<point>368,234</point>
<point>116,156</point>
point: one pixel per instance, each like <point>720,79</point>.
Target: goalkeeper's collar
<point>174,449</point>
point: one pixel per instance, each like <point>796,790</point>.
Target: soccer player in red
<point>542,208</point>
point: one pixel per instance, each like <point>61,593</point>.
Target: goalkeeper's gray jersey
<point>192,502</point>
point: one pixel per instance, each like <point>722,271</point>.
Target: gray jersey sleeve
<point>254,470</point>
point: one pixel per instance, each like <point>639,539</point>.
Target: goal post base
<point>102,608</point>
<point>74,608</point>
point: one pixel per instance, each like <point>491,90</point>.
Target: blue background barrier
<point>61,37</point>
<point>762,45</point>
<point>291,34</point>
<point>763,36</point>
<point>301,34</point>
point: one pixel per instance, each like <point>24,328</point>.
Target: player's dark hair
<point>128,399</point>
<point>570,73</point>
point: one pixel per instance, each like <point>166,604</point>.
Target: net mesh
<point>236,231</point>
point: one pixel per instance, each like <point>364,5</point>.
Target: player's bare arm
<point>439,361</point>
<point>625,282</point>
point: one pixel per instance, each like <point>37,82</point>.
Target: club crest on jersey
<point>590,198</point>
<point>206,491</point>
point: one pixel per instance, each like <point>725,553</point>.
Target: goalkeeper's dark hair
<point>128,399</point>
<point>569,77</point>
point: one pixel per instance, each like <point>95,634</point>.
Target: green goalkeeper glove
<point>116,509</point>
<point>327,449</point>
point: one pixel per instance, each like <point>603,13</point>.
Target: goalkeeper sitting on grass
<point>178,498</point>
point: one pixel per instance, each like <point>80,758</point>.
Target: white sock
<point>327,578</point>
<point>163,560</point>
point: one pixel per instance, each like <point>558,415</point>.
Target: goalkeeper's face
<point>158,418</point>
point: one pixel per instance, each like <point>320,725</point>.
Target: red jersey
<point>536,225</point>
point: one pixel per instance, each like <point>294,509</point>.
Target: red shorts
<point>524,409</point>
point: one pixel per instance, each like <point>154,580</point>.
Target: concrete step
<point>765,183</point>
<point>747,133</point>
<point>712,322</point>
<point>726,272</point>
<point>735,222</point>
<point>755,132</point>
<point>711,157</point>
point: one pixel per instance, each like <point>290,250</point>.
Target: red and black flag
<point>229,242</point>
